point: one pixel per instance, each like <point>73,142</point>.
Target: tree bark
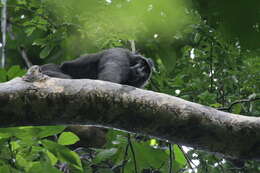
<point>40,100</point>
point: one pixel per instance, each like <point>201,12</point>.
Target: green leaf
<point>68,138</point>
<point>64,154</point>
<point>3,75</point>
<point>117,138</point>
<point>52,158</point>
<point>237,108</point>
<point>15,145</point>
<point>180,161</point>
<point>176,166</point>
<point>22,2</point>
<point>147,155</point>
<point>15,71</point>
<point>207,98</point>
<point>105,154</point>
<point>105,170</point>
<point>40,42</point>
<point>42,21</point>
<point>29,31</point>
<point>46,51</point>
<point>45,131</point>
<point>179,156</point>
<point>153,142</point>
<point>21,161</point>
<point>216,105</point>
<point>30,131</point>
<point>6,169</point>
<point>43,167</point>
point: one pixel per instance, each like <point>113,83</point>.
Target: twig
<point>170,157</point>
<point>125,155</point>
<point>237,102</point>
<point>189,161</point>
<point>24,56</point>
<point>211,67</point>
<point>132,151</point>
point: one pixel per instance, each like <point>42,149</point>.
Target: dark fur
<point>53,70</point>
<point>115,65</point>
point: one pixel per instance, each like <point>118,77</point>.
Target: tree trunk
<point>40,100</point>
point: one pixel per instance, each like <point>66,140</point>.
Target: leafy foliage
<point>12,72</point>
<point>206,52</point>
<point>235,19</point>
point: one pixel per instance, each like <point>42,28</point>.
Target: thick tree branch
<point>47,101</point>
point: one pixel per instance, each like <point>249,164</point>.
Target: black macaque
<point>116,65</point>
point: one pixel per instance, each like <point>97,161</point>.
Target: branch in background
<point>132,42</point>
<point>189,161</point>
<point>20,48</point>
<point>24,56</point>
<point>211,67</point>
<point>237,102</point>
<point>3,29</point>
